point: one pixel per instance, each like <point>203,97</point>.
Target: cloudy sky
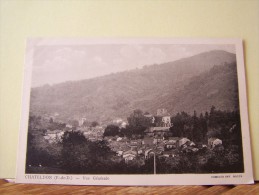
<point>58,63</point>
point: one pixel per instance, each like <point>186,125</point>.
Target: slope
<point>116,95</point>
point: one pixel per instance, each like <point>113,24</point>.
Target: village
<point>154,142</point>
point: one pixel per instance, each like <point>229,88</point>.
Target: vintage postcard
<point>134,112</point>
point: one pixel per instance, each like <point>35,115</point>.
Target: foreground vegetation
<point>75,154</point>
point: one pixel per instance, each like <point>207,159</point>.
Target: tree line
<point>76,154</point>
<point>215,123</point>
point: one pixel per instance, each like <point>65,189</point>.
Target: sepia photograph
<point>135,107</point>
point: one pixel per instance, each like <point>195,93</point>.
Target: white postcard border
<point>140,180</point>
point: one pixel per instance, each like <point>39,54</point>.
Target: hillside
<point>191,83</point>
<point>218,87</point>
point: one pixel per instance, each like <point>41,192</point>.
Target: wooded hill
<point>188,84</point>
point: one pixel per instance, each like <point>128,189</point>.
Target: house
<point>119,122</point>
<point>119,139</point>
<point>81,122</point>
<point>188,143</point>
<point>119,153</point>
<point>118,146</point>
<point>53,136</point>
<point>148,153</point>
<point>92,139</point>
<point>152,131</point>
<point>134,144</point>
<point>189,149</point>
<point>140,151</point>
<point>195,149</point>
<point>161,146</point>
<point>161,112</point>
<point>163,118</point>
<point>183,141</point>
<point>150,117</point>
<point>172,143</point>
<point>149,132</point>
<point>212,142</point>
<point>92,135</point>
<point>201,146</point>
<point>69,126</point>
<point>123,125</point>
<point>148,141</point>
<point>163,121</point>
<point>166,121</point>
<point>158,139</point>
<point>167,154</point>
<point>171,153</point>
<point>159,150</point>
<point>129,155</point>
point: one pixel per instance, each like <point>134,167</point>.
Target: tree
<point>74,152</point>
<point>55,125</point>
<point>212,110</point>
<point>51,120</point>
<point>182,125</point>
<point>177,128</point>
<point>213,133</point>
<point>46,155</point>
<point>80,155</point>
<point>125,132</point>
<point>94,124</point>
<point>138,123</point>
<point>73,138</point>
<point>74,124</point>
<point>206,116</point>
<point>195,127</point>
<point>136,119</point>
<point>203,126</point>
<point>111,130</point>
<point>34,122</point>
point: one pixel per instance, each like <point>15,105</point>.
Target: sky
<point>59,63</point>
